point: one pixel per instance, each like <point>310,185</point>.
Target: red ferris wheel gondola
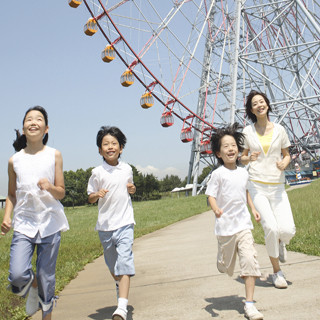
<point>167,119</point>
<point>186,134</point>
<point>205,147</point>
<point>205,142</point>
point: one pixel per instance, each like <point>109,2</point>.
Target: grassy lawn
<point>80,245</point>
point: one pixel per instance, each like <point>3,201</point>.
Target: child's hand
<point>5,226</point>
<point>131,188</point>
<point>44,184</point>
<point>254,155</point>
<point>218,212</point>
<point>101,193</point>
<point>256,215</point>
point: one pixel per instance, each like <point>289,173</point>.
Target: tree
<point>139,183</point>
<point>204,174</point>
<point>169,182</point>
<point>151,184</point>
<point>76,187</point>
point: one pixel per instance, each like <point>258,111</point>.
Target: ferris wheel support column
<point>194,163</point>
<point>234,62</point>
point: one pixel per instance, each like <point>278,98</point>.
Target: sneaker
<point>251,312</point>
<point>119,314</point>
<point>24,290</point>
<point>32,305</point>
<point>279,280</point>
<point>282,252</point>
<point>48,305</point>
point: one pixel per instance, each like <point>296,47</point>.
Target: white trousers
<point>272,202</point>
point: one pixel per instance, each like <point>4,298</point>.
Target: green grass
<point>305,204</point>
<point>80,245</point>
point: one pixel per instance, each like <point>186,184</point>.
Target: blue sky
<point>47,60</point>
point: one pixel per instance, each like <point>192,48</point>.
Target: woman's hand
<point>281,165</point>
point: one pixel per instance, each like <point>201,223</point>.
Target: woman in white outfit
<point>266,152</point>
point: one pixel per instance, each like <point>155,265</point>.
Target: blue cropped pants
<point>20,270</point>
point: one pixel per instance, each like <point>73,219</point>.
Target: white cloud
<point>161,173</point>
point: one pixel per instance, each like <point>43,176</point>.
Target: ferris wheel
<point>198,59</point>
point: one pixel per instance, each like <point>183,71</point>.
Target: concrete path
<point>177,279</point>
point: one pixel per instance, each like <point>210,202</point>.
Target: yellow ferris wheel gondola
<point>127,78</point>
<point>91,27</point>
<point>108,54</point>
<point>74,3</point>
<point>146,100</point>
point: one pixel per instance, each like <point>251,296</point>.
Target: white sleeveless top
<point>36,210</point>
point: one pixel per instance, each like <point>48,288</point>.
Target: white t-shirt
<point>36,210</point>
<point>115,209</point>
<point>229,187</point>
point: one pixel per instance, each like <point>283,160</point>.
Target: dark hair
<point>113,131</point>
<point>230,130</point>
<point>21,142</point>
<point>250,96</point>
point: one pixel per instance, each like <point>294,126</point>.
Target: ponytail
<point>20,142</point>
<point>45,138</point>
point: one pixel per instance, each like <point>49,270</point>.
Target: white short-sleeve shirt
<point>229,187</point>
<point>115,209</point>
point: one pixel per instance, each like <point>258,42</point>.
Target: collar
<point>109,168</point>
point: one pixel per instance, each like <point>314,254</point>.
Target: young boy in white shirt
<point>111,184</point>
<point>228,198</point>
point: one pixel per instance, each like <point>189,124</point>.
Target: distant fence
<point>3,201</point>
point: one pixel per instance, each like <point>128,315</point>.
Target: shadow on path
<point>233,302</point>
<point>106,313</point>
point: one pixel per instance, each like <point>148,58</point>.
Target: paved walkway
<point>177,279</point>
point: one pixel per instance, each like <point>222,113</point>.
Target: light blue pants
<point>20,270</point>
<point>117,249</point>
<point>272,202</point>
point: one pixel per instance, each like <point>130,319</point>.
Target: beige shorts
<point>243,244</point>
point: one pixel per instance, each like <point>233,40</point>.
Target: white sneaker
<point>32,304</point>
<point>282,252</point>
<point>279,280</point>
<point>251,312</point>
<point>120,314</point>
